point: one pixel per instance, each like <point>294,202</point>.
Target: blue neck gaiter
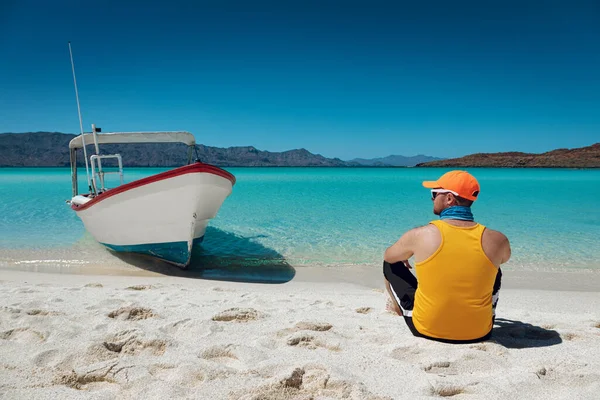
<point>457,212</point>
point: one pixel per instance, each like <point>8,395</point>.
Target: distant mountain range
<point>395,161</point>
<point>582,157</point>
<point>51,149</point>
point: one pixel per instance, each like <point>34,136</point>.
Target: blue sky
<point>341,78</point>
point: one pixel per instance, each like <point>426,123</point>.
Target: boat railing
<point>98,175</point>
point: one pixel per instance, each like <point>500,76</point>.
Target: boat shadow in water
<point>520,335</point>
<point>223,256</point>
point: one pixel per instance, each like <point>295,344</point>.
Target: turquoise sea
<point>322,216</point>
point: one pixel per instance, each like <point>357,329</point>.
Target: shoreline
<point>576,280</point>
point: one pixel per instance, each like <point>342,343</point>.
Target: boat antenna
<point>87,172</point>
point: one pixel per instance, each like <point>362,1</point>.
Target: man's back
<point>454,297</point>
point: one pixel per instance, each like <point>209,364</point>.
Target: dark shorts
<point>404,285</point>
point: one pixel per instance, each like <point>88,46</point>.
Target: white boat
<point>163,215</point>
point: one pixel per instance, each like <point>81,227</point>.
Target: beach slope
<point>103,337</point>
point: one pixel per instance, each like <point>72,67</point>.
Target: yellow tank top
<point>454,294</point>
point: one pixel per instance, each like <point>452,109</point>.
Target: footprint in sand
<point>406,353</point>
<point>182,375</point>
<point>10,310</point>
<point>46,358</point>
<point>25,291</point>
<point>479,346</point>
<point>220,289</point>
<point>140,287</point>
<point>224,355</point>
<point>557,375</point>
<point>39,312</point>
<point>9,313</point>
<point>447,391</point>
<point>306,326</point>
<point>237,315</point>
<point>131,342</point>
<point>162,370</point>
<point>25,335</point>
<point>94,353</point>
<point>470,362</point>
<point>313,326</point>
<point>342,389</point>
<point>101,327</point>
<point>94,285</point>
<point>306,340</point>
<point>307,383</point>
<point>132,313</point>
<point>363,310</point>
<point>176,326</point>
<point>302,339</point>
<point>80,379</point>
<point>490,347</point>
<point>437,367</point>
<point>213,352</point>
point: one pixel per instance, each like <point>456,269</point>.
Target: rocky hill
<point>583,157</point>
<point>51,149</point>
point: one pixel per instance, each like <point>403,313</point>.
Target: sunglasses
<point>435,192</point>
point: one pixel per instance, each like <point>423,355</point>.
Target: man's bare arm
<point>496,246</point>
<point>507,252</point>
<point>402,250</point>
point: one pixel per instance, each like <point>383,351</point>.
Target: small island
<point>583,157</point>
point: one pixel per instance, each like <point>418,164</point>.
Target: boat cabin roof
<point>134,137</point>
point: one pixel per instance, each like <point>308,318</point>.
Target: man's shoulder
<point>496,235</point>
<point>423,230</point>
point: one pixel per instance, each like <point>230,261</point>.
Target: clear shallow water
<point>324,216</point>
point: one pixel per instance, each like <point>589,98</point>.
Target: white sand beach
<point>67,336</point>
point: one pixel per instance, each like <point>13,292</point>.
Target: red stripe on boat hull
<point>187,169</point>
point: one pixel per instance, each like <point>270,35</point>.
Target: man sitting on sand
<point>457,265</point>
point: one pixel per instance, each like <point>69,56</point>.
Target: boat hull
<point>164,215</point>
<point>177,253</point>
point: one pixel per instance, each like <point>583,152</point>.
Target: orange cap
<point>460,182</point>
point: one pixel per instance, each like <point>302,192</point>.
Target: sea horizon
<point>82,168</point>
